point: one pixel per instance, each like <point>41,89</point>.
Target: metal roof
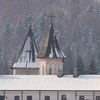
<point>51,47</point>
<point>49,82</point>
<point>28,52</point>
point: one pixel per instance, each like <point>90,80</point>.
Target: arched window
<point>43,69</point>
<point>29,97</point>
<point>47,97</point>
<point>17,98</point>
<point>50,71</point>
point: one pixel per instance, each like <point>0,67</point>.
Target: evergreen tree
<point>69,60</point>
<point>92,66</point>
<point>80,65</point>
<point>8,30</point>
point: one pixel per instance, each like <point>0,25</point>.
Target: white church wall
<point>54,63</point>
<point>26,71</point>
<point>42,63</point>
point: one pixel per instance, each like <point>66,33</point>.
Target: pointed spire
<point>29,49</point>
<point>51,47</point>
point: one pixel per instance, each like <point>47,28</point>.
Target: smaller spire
<point>51,16</point>
<point>30,21</point>
<point>51,47</point>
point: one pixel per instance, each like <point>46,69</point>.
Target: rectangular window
<point>63,97</point>
<point>2,97</point>
<point>47,97</point>
<point>50,71</point>
<point>81,97</point>
<point>29,97</point>
<point>97,97</point>
<point>17,98</point>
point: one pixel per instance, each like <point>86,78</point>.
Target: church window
<point>63,97</point>
<point>50,71</point>
<point>29,97</point>
<point>81,98</point>
<point>2,97</point>
<point>17,98</point>
<point>47,97</point>
<point>97,97</point>
<point>43,70</point>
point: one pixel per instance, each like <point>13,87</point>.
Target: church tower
<point>51,57</point>
<point>27,64</point>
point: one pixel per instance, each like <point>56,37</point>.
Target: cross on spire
<point>30,20</point>
<point>51,16</point>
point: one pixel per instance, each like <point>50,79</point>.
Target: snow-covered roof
<point>49,82</point>
<point>27,65</point>
<point>51,47</point>
<point>28,53</point>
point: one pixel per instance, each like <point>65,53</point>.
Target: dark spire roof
<point>51,47</point>
<point>29,49</point>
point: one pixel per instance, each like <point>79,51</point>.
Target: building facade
<point>50,95</point>
<point>49,87</point>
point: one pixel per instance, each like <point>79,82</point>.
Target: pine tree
<point>8,30</point>
<point>80,65</point>
<point>92,66</point>
<point>69,60</point>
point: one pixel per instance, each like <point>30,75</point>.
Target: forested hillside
<point>76,24</point>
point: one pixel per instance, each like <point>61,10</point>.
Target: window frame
<point>17,97</point>
<point>3,97</point>
<point>80,97</point>
<point>50,71</point>
<point>47,97</point>
<point>63,97</point>
<point>97,97</point>
<point>28,97</point>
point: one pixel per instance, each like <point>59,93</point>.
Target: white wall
<point>96,93</point>
<point>34,94</point>
<point>69,94</point>
<point>87,94</point>
<point>25,71</point>
<point>54,63</point>
<point>54,95</point>
<point>10,94</point>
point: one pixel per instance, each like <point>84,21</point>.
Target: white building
<point>48,61</point>
<point>45,79</point>
<point>27,62</point>
<point>49,87</point>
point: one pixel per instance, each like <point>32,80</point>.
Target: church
<point>39,75</point>
<point>47,62</point>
